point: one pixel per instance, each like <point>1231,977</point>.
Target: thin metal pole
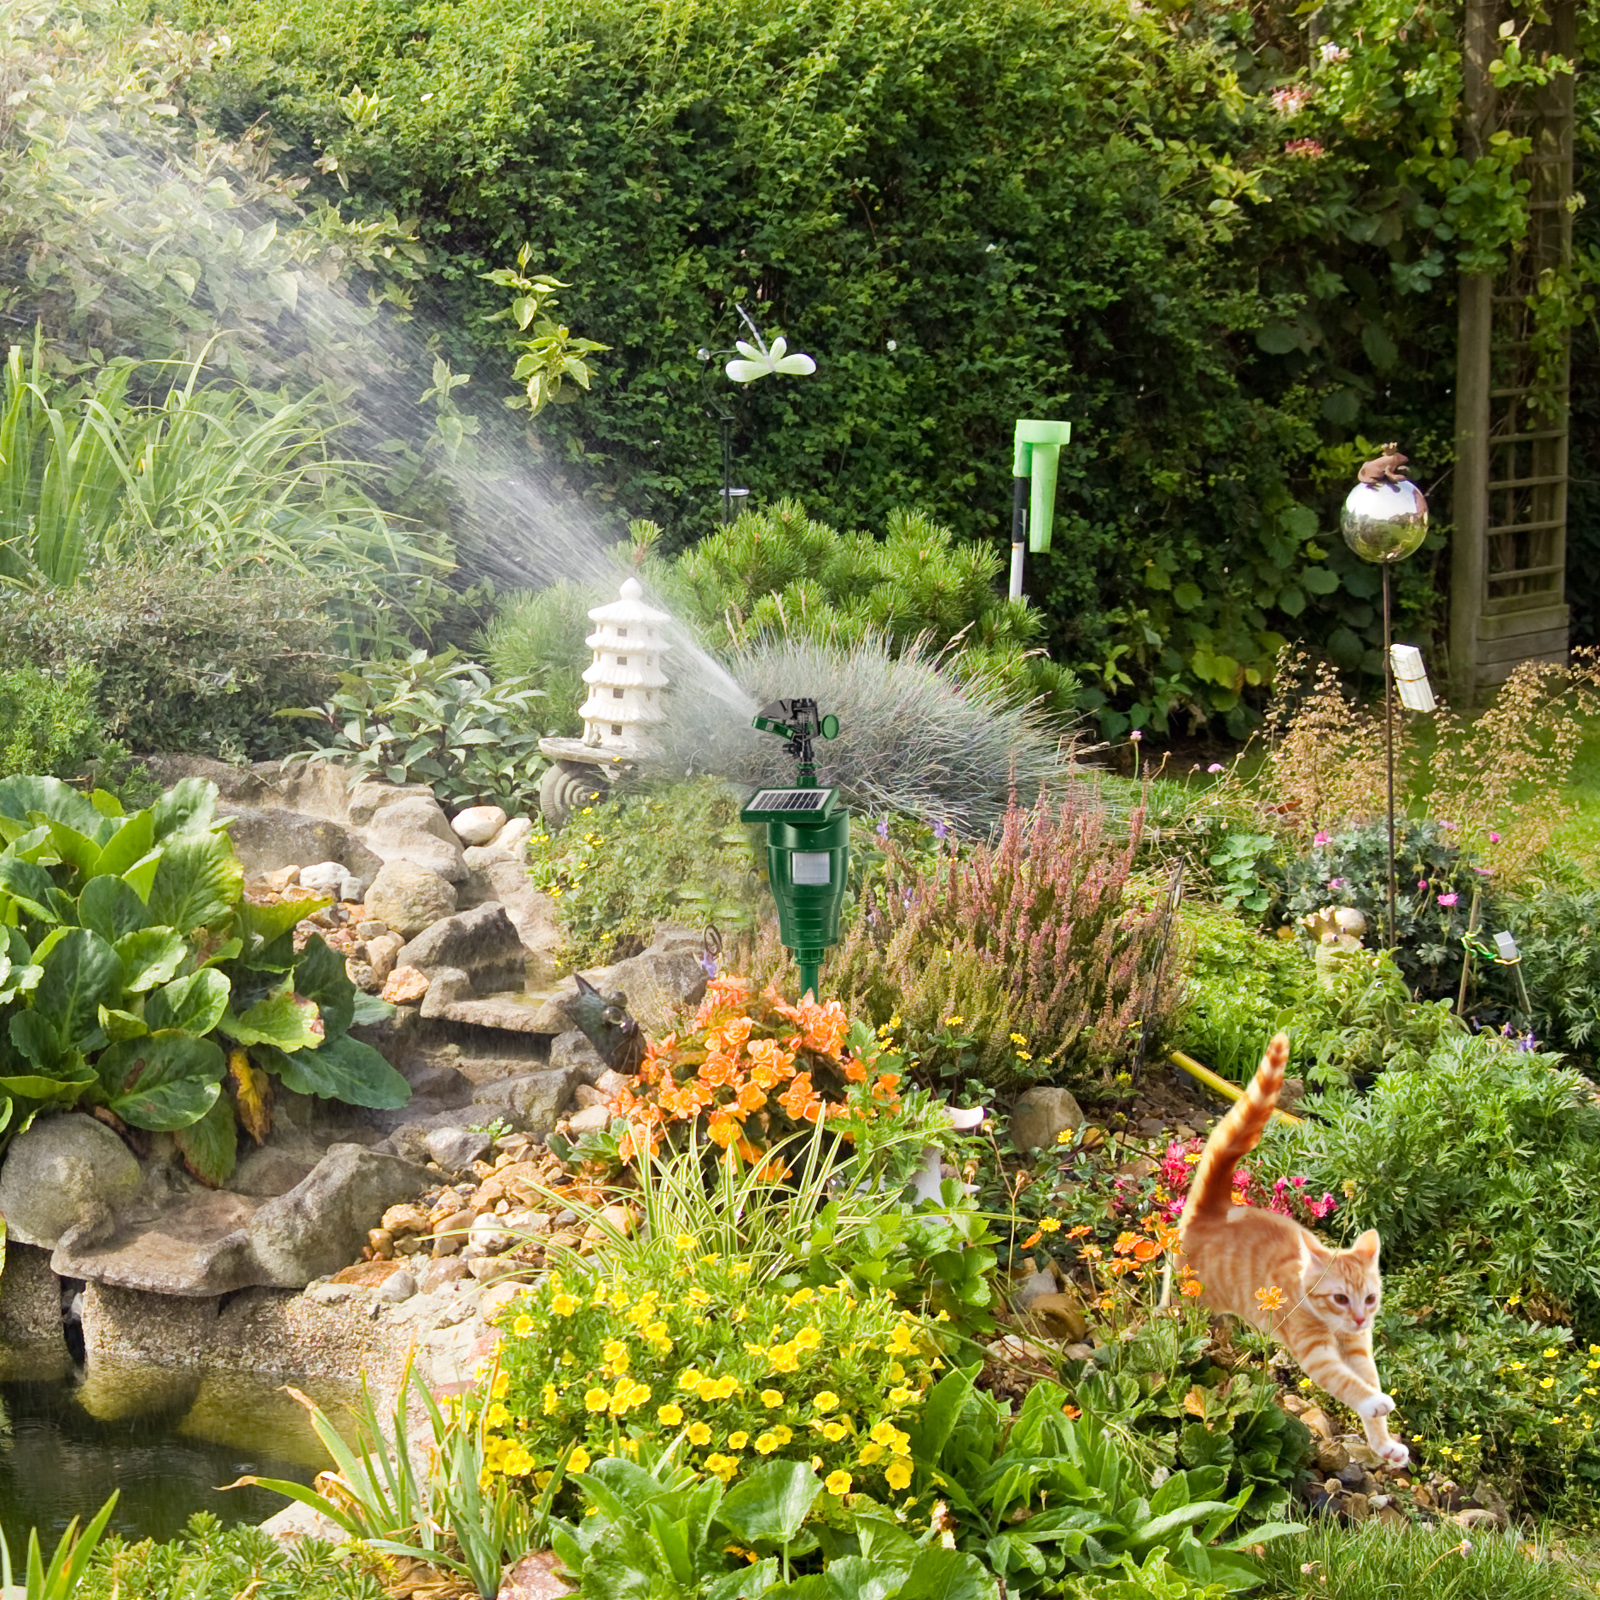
<point>1388,738</point>
<point>727,469</point>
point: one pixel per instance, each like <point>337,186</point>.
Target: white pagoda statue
<point>625,679</point>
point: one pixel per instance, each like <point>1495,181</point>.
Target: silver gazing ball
<point>1385,516</point>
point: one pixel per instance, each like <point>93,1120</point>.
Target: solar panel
<point>777,805</point>
<point>790,800</point>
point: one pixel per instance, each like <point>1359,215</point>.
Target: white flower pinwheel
<point>759,361</point>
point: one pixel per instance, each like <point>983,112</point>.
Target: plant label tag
<point>1411,677</point>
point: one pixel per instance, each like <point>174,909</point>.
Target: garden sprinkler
<point>808,840</point>
<point>1035,456</point>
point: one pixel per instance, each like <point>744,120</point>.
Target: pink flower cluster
<point>1311,148</point>
<point>1286,102</point>
<point>1287,1195</point>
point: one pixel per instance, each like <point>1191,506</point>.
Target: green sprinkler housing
<point>808,840</point>
<point>1036,453</point>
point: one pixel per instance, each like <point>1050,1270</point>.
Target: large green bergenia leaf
<point>16,978</point>
<point>111,908</point>
<point>187,807</point>
<point>81,973</point>
<point>163,1081</point>
<point>129,844</point>
<point>197,881</point>
<point>342,1069</point>
<point>50,1091</point>
<point>150,956</point>
<point>268,922</point>
<point>771,1503</point>
<point>50,800</point>
<point>195,1004</point>
<point>211,1146</point>
<point>320,975</point>
<point>283,1019</point>
<point>33,889</point>
<point>76,849</point>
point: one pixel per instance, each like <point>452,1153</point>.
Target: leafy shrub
<point>623,865</point>
<point>437,720</point>
<point>1434,884</point>
<point>1490,1149</point>
<point>1483,1390</point>
<point>1330,1562</point>
<point>211,1562</point>
<point>1033,947</point>
<point>1556,931</point>
<point>537,636</point>
<point>1240,986</point>
<point>49,722</point>
<point>912,738</point>
<point>777,573</point>
<point>132,952</point>
<point>672,1534</point>
<point>695,1350</point>
<point>1047,1494</point>
<point>185,657</point>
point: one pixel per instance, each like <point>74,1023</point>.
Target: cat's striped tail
<point>1211,1189</point>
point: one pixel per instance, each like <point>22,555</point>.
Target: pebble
<point>397,1286</point>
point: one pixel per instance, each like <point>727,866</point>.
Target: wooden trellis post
<point>1508,556</point>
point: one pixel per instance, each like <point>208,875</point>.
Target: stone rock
<point>659,984</point>
<point>609,1083</point>
<point>373,929</point>
<point>281,879</point>
<point>360,973</point>
<point>1332,1458</point>
<point>483,943</point>
<point>383,953</point>
<point>478,824</point>
<point>269,840</point>
<point>444,1270</point>
<point>296,1522</point>
<point>409,897</point>
<point>322,1223</point>
<point>487,1235</point>
<point>415,829</point>
<point>1032,1287</point>
<point>397,1286</point>
<point>513,838</point>
<point>529,907</point>
<point>455,1149</point>
<point>592,1119</point>
<point>491,1269</point>
<point>368,798</point>
<point>65,1174</point>
<point>268,1172</point>
<point>330,877</point>
<point>405,986</point>
<point>1040,1115</point>
<point>586,1095</point>
<point>534,1578</point>
<point>451,1232</point>
<point>533,1102</point>
<point>574,1049</point>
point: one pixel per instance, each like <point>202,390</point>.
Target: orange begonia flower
<point>1146,1250</point>
<point>722,1130</point>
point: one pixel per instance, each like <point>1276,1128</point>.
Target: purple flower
<point>1321,836</point>
<point>1216,766</point>
<point>1447,899</point>
<point>708,964</point>
<point>939,828</point>
<point>1336,883</point>
<point>883,827</point>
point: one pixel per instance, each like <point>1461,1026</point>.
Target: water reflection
<point>167,1439</point>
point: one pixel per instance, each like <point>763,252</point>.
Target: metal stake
<point>1388,737</point>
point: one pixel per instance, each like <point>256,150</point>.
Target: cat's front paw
<point>1393,1452</point>
<point>1374,1406</point>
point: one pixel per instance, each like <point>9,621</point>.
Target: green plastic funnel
<point>1036,456</point>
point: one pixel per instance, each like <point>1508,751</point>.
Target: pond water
<point>168,1440</point>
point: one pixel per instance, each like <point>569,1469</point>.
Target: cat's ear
<point>1366,1247</point>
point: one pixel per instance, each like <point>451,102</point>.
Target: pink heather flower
<point>1216,766</point>
<point>1422,883</point>
<point>1447,900</point>
<point>1494,838</point>
<point>1288,101</point>
<point>1136,736</point>
<point>1332,53</point>
<point>1310,148</point>
<point>1321,836</point>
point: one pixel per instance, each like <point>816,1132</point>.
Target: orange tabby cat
<point>1316,1301</point>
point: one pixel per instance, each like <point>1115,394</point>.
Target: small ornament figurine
<point>625,680</point>
<point>1385,516</point>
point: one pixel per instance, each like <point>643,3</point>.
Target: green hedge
<point>969,212</point>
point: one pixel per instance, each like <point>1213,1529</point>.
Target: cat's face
<point>1343,1286</point>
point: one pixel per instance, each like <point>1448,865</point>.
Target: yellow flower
<point>800,1297</point>
<point>1513,1299</point>
<point>897,1373</point>
<point>699,1433</point>
<point>782,1434</point>
<point>596,1400</point>
<point>954,1022</point>
<point>870,1453</point>
<point>837,1483</point>
<point>1547,1383</point>
<point>898,1475</point>
<point>551,1398</point>
<point>697,1297</point>
<point>737,1441</point>
<point>1018,1038</point>
<point>826,1401</point>
<point>522,1327</point>
<point>807,1339</point>
<point>684,1241</point>
<point>578,1461</point>
<point>738,1314</point>
<point>883,1433</point>
<point>669,1416</point>
<point>771,1399</point>
<point>1066,1136</point>
<point>724,1388</point>
<point>766,1443</point>
<point>496,1416</point>
<point>900,1341</point>
<point>616,1356</point>
<point>784,1357</point>
<point>1551,1355</point>
<point>691,1378</point>
<point>1049,1224</point>
<point>724,1466</point>
<point>1022,1055</point>
<point>563,1305</point>
<point>833,1432</point>
<point>898,1397</point>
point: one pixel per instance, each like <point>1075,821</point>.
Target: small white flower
<point>894,344</point>
<point>1332,52</point>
